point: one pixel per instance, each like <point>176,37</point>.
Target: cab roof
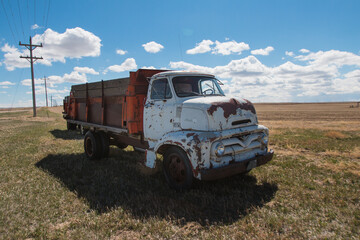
<point>181,73</point>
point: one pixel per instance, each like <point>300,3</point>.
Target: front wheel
<point>177,169</point>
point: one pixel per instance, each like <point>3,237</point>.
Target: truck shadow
<point>118,182</point>
<point>66,134</point>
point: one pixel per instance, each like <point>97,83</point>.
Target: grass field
<point>48,190</point>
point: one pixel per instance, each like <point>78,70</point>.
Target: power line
<point>12,14</point>
<point>21,21</point>
<point>17,86</point>
<point>34,12</point>
<point>28,11</point>
<point>33,59</point>
<point>7,18</point>
<point>44,14</point>
<point>47,16</point>
<point>46,92</point>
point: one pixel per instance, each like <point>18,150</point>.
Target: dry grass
<point>49,190</point>
<point>335,134</point>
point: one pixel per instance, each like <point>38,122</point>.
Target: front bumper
<point>236,168</point>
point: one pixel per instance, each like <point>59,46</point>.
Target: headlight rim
<point>220,149</point>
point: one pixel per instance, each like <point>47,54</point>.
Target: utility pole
<point>32,59</point>
<point>46,92</point>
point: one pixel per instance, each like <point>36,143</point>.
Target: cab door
<point>159,110</point>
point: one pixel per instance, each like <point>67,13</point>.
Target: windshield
<point>186,86</point>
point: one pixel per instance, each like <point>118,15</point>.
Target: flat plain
<point>49,190</point>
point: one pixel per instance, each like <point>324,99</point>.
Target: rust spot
<point>212,139</point>
<point>190,134</point>
<point>196,147</point>
<point>178,143</point>
<point>211,165</point>
<point>183,140</point>
<point>231,106</point>
<point>171,120</point>
<point>196,138</point>
<point>196,170</point>
<point>150,126</point>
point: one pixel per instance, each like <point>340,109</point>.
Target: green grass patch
<point>15,114</point>
<point>315,140</point>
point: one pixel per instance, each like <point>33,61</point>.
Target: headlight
<point>220,149</point>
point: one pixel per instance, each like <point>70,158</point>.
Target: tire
<point>105,143</point>
<point>70,126</point>
<point>92,146</point>
<point>177,169</point>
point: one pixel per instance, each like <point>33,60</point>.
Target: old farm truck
<point>184,116</point>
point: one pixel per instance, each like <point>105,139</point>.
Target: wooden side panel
<point>114,111</point>
<point>115,87</point>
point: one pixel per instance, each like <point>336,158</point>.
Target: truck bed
<point>116,103</point>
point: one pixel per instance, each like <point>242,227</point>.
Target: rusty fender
<point>195,144</point>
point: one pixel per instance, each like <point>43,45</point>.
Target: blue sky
<point>265,51</point>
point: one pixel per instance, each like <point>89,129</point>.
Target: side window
<point>160,90</point>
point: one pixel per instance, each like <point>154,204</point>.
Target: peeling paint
<point>190,134</point>
<point>230,107</point>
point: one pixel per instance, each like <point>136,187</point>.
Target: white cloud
<point>86,70</point>
<point>150,67</point>
<point>6,83</point>
<point>332,57</point>
<point>4,87</point>
<point>353,74</point>
<point>40,89</point>
<point>77,76</point>
<point>73,43</point>
<point>227,48</point>
<point>127,65</point>
<point>121,52</point>
<point>3,92</point>
<point>202,47</point>
<point>303,50</point>
<point>290,54</point>
<point>190,67</point>
<point>12,59</point>
<point>264,51</point>
<point>223,48</point>
<point>153,47</point>
<point>319,76</point>
<point>73,77</point>
<point>35,26</point>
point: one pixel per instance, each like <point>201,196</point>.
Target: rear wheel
<point>177,169</point>
<point>92,146</point>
